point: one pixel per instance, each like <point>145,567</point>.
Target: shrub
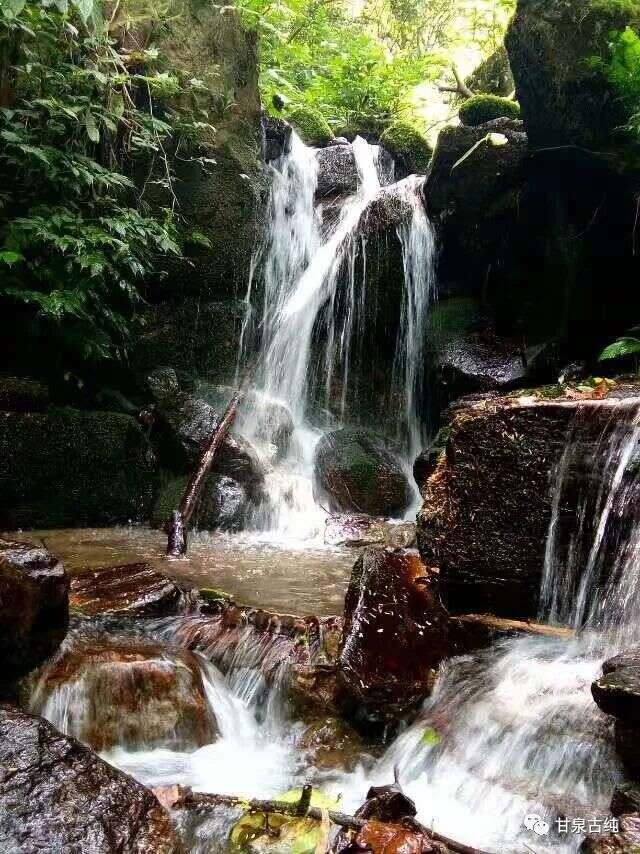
<point>485,108</point>
<point>310,124</point>
<point>403,139</point>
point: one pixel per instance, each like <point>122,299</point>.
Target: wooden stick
<point>460,88</point>
<point>179,521</point>
<point>198,800</point>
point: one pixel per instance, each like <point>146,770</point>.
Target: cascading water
<point>314,272</point>
<point>514,731</point>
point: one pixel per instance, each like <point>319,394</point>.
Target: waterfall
<point>311,332</point>
<point>514,730</point>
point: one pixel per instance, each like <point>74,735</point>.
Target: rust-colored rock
<point>34,607</point>
<point>395,634</point>
<point>333,743</point>
<point>132,695</point>
<point>135,589</point>
<point>57,795</point>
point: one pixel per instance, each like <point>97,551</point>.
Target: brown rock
<point>56,795</point>
<point>34,607</point>
<point>135,589</point>
<point>142,695</point>
<point>332,743</point>
<point>395,634</point>
<point>627,841</point>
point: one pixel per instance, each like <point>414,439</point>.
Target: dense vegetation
<point>78,119</point>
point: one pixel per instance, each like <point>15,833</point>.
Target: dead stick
<point>179,521</point>
<point>198,800</point>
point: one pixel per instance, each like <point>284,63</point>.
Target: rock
<point>626,799</point>
<point>310,124</point>
<point>355,471</point>
<point>56,795</point>
<point>20,394</point>
<point>481,109</point>
<point>625,841</point>
<point>493,75</point>
<point>193,335</point>
<point>552,44</point>
<point>277,137</point>
<point>617,693</point>
<point>332,743</point>
<point>312,691</point>
<point>68,467</point>
<point>376,837</point>
<point>395,635</point>
<point>487,506</point>
<point>627,741</point>
<point>425,463</point>
<point>409,148</point>
<point>223,505</point>
<point>135,696</point>
<point>34,607</point>
<point>189,423</point>
<point>134,589</point>
<point>337,171</point>
<point>357,530</point>
<point>481,361</point>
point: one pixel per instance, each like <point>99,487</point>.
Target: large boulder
<point>621,837</point>
<point>481,361</point>
<point>134,590</point>
<point>57,795</point>
<point>34,607</point>
<point>488,504</point>
<point>395,635</point>
<point>136,696</point>
<point>67,467</point>
<point>355,471</point>
<point>554,47</point>
<point>617,693</point>
<point>337,171</point>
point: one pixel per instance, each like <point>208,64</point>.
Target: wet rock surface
<point>481,361</point>
<point>487,507</point>
<point>626,799</point>
<point>223,503</point>
<point>34,607</point>
<point>132,695</point>
<point>626,841</point>
<point>617,692</point>
<point>332,743</point>
<point>337,171</point>
<point>356,530</point>
<point>134,589</point>
<point>395,634</point>
<point>356,471</point>
<point>56,795</point>
<point>277,137</point>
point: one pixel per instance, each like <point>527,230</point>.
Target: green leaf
<point>627,346</point>
<point>9,257</point>
<point>12,8</point>
<point>92,128</point>
<point>485,139</point>
<point>430,737</point>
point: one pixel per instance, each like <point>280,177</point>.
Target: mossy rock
<point>486,108</point>
<point>71,468</point>
<point>222,506</point>
<point>557,49</point>
<point>493,75</point>
<point>408,144</point>
<point>21,394</point>
<point>310,124</point>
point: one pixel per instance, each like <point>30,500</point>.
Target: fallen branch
<point>460,88</point>
<point>200,801</point>
<point>180,518</point>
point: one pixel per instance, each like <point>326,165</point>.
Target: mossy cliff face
<point>551,44</point>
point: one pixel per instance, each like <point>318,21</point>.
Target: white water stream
<point>314,276</point>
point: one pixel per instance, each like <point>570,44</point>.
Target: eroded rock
<point>135,589</point>
<point>356,471</point>
<point>130,695</point>
<point>56,795</point>
<point>34,607</point>
<point>395,634</point>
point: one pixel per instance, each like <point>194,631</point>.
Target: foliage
<point>403,138</point>
<point>485,108</point>
<point>76,239</point>
<point>625,346</point>
<point>310,124</point>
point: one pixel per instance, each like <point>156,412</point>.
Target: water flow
<point>514,730</point>
<point>313,326</point>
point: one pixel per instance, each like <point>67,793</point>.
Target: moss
<point>19,394</point>
<point>72,468</point>
<point>403,139</point>
<point>310,124</point>
<point>485,108</point>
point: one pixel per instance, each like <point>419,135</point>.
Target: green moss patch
<point>485,108</point>
<point>403,139</point>
<point>310,124</point>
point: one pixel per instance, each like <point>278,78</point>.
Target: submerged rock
<point>34,607</point>
<point>129,695</point>
<point>356,471</point>
<point>332,743</point>
<point>56,795</point>
<point>356,530</point>
<point>395,635</point>
<point>135,589</point>
<point>67,467</point>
